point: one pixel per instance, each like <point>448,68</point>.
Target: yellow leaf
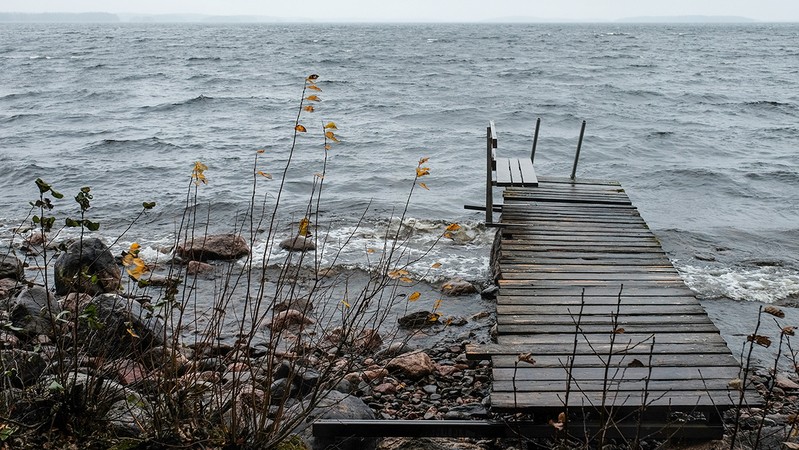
<point>327,146</point>
<point>331,126</point>
<point>422,171</point>
<point>415,296</point>
<point>370,250</point>
<point>406,280</point>
<point>319,175</point>
<point>132,333</point>
<point>304,227</point>
<point>436,305</point>
<point>448,235</point>
<point>313,98</point>
<point>265,175</point>
<point>394,274</point>
<point>260,151</point>
<point>127,260</point>
<point>300,128</point>
<point>138,269</point>
<point>345,303</point>
<point>423,186</point>
<point>434,317</point>
<point>436,265</point>
<point>453,227</point>
<point>331,136</point>
<point>312,77</point>
<point>314,87</point>
<point>423,160</point>
<point>197,174</point>
<point>308,108</point>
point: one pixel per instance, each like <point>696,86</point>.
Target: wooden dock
<point>597,335</point>
<point>593,319</point>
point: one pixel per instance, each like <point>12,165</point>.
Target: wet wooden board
<point>566,247</point>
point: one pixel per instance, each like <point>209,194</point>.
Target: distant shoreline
<point>104,17</point>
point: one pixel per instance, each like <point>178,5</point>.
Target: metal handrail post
<point>535,139</point>
<point>489,180</point>
<point>577,155</point>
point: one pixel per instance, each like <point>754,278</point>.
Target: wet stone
<point>430,389</point>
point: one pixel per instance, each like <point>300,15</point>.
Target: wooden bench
<point>517,172</point>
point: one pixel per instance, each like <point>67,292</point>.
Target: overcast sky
<point>426,10</point>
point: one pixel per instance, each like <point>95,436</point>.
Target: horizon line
<point>260,18</point>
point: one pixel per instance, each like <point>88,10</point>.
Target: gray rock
<point>467,411</point>
<point>490,293</point>
<point>298,244</point>
<point>225,247</point>
<point>23,368</point>
<point>130,417</point>
<point>281,389</point>
<point>345,387</point>
<point>11,267</point>
<point>34,310</point>
<point>335,405</point>
<point>86,266</point>
<point>111,322</point>
<point>307,380</point>
<point>97,390</point>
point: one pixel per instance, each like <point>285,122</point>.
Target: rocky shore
<point>86,363</point>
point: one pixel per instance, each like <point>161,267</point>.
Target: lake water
<point>698,122</point>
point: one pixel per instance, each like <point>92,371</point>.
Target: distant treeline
<point>59,17</point>
<point>135,18</point>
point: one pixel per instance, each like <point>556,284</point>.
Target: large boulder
<point>34,311</point>
<point>221,246</point>
<point>413,365</point>
<point>334,405</point>
<point>87,266</point>
<point>11,267</point>
<point>112,325</point>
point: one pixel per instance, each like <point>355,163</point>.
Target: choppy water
<point>698,122</point>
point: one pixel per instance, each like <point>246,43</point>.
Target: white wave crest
<point>762,284</point>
